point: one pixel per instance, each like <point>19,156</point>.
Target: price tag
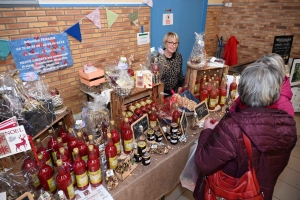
<point>78,121</point>
<point>212,59</point>
<point>154,146</point>
<point>109,173</point>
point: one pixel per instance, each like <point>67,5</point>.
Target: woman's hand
<point>210,123</point>
<point>179,90</point>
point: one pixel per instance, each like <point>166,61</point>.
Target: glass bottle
<point>196,87</point>
<point>204,94</point>
<point>46,175</point>
<point>62,133</point>
<point>222,94</point>
<point>30,171</point>
<point>127,136</point>
<point>64,181</point>
<point>111,153</point>
<point>122,121</point>
<point>92,142</point>
<point>218,92</point>
<point>194,124</point>
<point>176,114</point>
<point>72,143</point>
<point>212,98</point>
<point>41,149</point>
<point>153,119</point>
<point>82,147</point>
<point>217,78</point>
<point>115,136</point>
<point>68,165</point>
<point>202,83</point>
<point>232,88</point>
<point>94,168</point>
<point>209,86</point>
<point>80,172</point>
<point>52,146</point>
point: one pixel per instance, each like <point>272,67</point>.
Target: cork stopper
<point>79,134</point>
<point>40,156</point>
<point>70,130</point>
<point>124,114</point>
<point>126,119</point>
<point>109,134</point>
<point>59,140</point>
<point>112,122</point>
<point>91,147</point>
<point>61,150</point>
<point>50,131</point>
<point>75,150</point>
<point>91,137</point>
<point>60,123</point>
<point>59,162</point>
<point>38,140</point>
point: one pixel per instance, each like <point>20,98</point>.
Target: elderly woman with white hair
<point>272,133</point>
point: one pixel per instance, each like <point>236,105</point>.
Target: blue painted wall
<point>189,17</point>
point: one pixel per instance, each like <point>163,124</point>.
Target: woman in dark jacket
<point>272,133</point>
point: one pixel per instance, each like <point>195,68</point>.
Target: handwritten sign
<point>144,122</point>
<point>282,46</point>
<point>183,122</point>
<point>202,110</point>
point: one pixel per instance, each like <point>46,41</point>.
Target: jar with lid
<point>141,147</point>
<point>146,159</point>
<point>137,157</point>
<point>150,135</point>
<point>158,136</point>
<point>174,139</point>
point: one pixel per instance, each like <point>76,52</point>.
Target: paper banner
<point>95,17</point>
<point>74,31</point>
<point>148,2</point>
<point>134,17</point>
<point>4,49</point>
<point>111,17</point>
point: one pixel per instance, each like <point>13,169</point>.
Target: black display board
<point>202,110</point>
<point>183,122</point>
<point>141,121</point>
<point>282,45</point>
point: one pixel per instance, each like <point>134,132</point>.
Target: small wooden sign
<point>183,123</point>
<point>202,110</point>
<point>144,122</point>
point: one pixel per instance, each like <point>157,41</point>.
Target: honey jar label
<point>232,94</point>
<point>54,157</point>
<point>72,177</point>
<point>49,162</point>
<point>35,179</point>
<point>128,145</point>
<point>223,100</point>
<point>95,177</point>
<point>153,124</point>
<point>212,103</point>
<point>82,180</point>
<point>71,192</point>
<point>51,184</point>
<point>118,146</point>
<point>113,162</point>
<point>84,158</point>
<point>147,161</point>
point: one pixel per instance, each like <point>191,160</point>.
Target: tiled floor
<point>287,186</point>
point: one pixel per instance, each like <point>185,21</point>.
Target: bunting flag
<point>95,17</point>
<point>111,17</point>
<point>134,17</point>
<point>148,2</point>
<point>4,49</point>
<point>74,31</point>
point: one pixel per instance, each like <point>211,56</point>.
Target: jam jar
<point>141,147</point>
<point>174,139</point>
<point>137,157</point>
<point>146,159</point>
<point>174,128</point>
<point>150,135</point>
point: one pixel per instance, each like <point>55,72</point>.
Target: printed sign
<point>42,54</point>
<point>282,46</point>
<point>13,141</point>
<point>144,122</point>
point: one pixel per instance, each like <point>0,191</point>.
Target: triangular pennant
<point>111,17</point>
<point>4,49</point>
<point>74,31</point>
<point>95,17</point>
<point>134,17</point>
<point>148,2</point>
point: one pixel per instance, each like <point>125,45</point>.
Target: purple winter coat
<point>273,136</point>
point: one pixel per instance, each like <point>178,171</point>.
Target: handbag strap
<point>248,147</point>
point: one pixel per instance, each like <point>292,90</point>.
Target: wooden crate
<point>118,104</point>
<point>193,74</point>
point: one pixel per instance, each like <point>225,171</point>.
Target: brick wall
<point>256,22</point>
<point>101,47</point>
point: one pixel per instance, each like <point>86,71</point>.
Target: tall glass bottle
<point>63,133</point>
<point>111,152</point>
<point>204,94</point>
<point>80,171</point>
<point>123,121</point>
<point>52,146</point>
<point>127,136</point>
<point>176,114</point>
<point>41,149</point>
<point>61,145</point>
<point>94,168</point>
<point>64,181</point>
<point>30,171</point>
<point>232,88</point>
<point>72,143</point>
<point>212,98</point>
<point>46,175</point>
<point>68,165</point>
<point>82,147</point>
<point>153,119</point>
<point>209,86</point>
<point>63,152</point>
<point>92,142</point>
<point>115,136</point>
<point>222,94</point>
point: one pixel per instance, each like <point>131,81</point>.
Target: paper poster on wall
<point>143,38</point>
<point>168,19</point>
<point>42,54</point>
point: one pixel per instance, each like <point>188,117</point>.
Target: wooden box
<point>93,78</point>
<point>118,104</point>
<point>123,176</point>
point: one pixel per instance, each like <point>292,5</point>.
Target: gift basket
<point>198,55</point>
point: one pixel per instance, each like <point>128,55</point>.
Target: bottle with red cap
<point>64,181</point>
<point>82,147</point>
<point>41,149</point>
<point>92,142</point>
<point>111,153</point>
<point>94,168</point>
<point>62,133</point>
<point>80,171</point>
<point>30,171</point>
<point>53,146</point>
<point>46,175</point>
<point>115,136</point>
<point>127,136</point>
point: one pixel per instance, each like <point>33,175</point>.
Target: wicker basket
<point>120,91</point>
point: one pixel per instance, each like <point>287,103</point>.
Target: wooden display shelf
<point>118,104</point>
<point>193,74</point>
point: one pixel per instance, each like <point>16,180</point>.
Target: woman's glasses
<point>173,43</point>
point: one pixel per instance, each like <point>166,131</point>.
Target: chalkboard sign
<point>282,46</point>
<point>183,122</point>
<point>202,110</point>
<point>135,126</point>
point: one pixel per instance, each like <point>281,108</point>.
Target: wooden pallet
<point>193,74</point>
<point>118,104</point>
